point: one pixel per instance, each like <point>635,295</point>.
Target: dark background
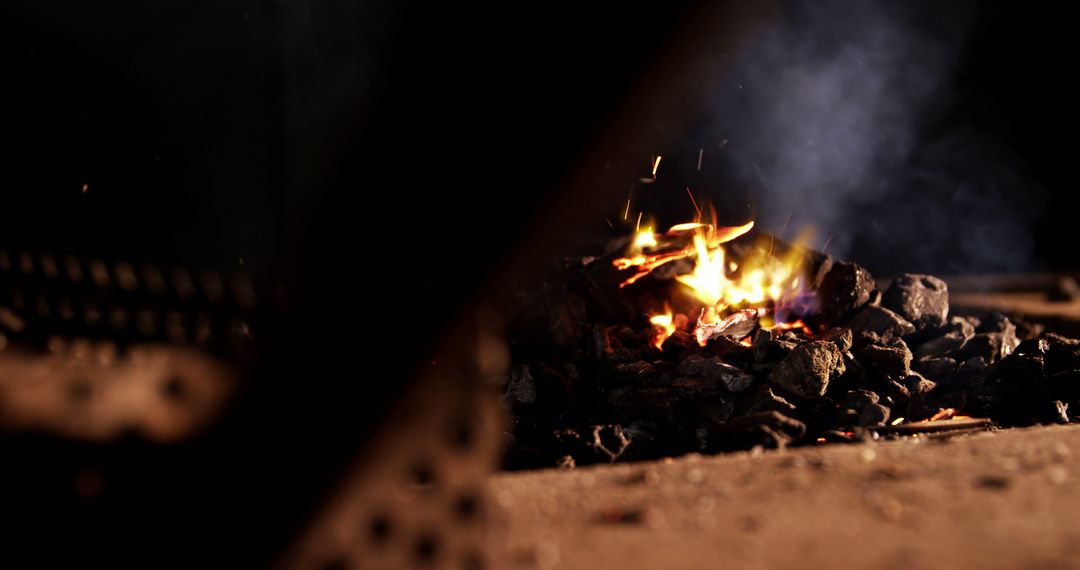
<point>314,143</point>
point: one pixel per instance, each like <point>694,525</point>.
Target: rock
<point>995,322</point>
<point>992,346</point>
<point>999,324</point>
<point>1026,330</point>
<point>874,415</point>
<point>1062,354</point>
<point>565,322</point>
<point>730,350</point>
<point>858,399</point>
<point>1011,392</point>
<point>970,370</point>
<point>840,336</point>
<point>692,365</point>
<point>697,386</point>
<point>917,385</point>
<point>553,389</point>
<point>889,358</point>
<point>660,405</point>
<point>633,370</point>
<point>947,340</point>
<point>1025,370</point>
<point>807,369</point>
<point>521,388</point>
<point>714,410</point>
<point>765,400</point>
<point>734,379</point>
<point>937,368</point>
<point>975,322</point>
<point>607,346</point>
<point>854,373</point>
<point>1032,347</point>
<point>770,429</point>
<point>941,346</point>
<point>923,300</point>
<point>769,347</point>
<point>894,392</point>
<point>880,321</point>
<point>845,289</point>
<point>1064,386</point>
<point>678,343</point>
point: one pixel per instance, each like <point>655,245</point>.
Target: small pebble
<point>996,482</point>
<point>891,509</point>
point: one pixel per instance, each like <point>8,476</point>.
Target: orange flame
<point>663,327</point>
<point>758,278</point>
<point>647,262</point>
<point>645,238</point>
<point>796,325</point>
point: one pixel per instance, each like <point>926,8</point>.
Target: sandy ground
<point>1005,499</point>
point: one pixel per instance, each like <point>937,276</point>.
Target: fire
<point>645,238</point>
<point>647,262</point>
<point>767,286</point>
<point>663,327</point>
<point>796,325</point>
<point>757,280</point>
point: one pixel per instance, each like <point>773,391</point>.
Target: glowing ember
<point>943,414</point>
<point>656,165</point>
<point>897,421</point>
<point>797,325</point>
<point>645,238</point>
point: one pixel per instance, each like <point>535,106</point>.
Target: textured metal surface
<point>94,351</point>
<point>415,497</point>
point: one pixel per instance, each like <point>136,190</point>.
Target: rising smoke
<point>839,115</point>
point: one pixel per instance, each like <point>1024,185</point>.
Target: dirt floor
<point>1003,499</point>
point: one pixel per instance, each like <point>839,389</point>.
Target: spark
<point>608,220</point>
<point>626,214</point>
<point>772,239</point>
<point>787,221</point>
<point>700,154</point>
<point>694,202</point>
<point>637,227</point>
<point>656,165</point>
<point>85,187</point>
<point>826,246</point>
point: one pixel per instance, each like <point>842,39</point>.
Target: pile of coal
<point>583,366</point>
